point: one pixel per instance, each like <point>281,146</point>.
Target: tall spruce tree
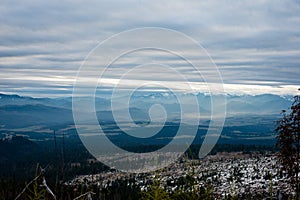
<point>288,142</point>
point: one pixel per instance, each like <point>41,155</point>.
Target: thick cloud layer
<point>255,44</point>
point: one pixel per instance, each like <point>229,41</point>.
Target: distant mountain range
<point>17,111</point>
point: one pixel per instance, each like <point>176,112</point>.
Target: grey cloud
<point>36,36</point>
<point>19,53</point>
<point>62,60</point>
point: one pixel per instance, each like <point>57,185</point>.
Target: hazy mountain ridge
<point>18,111</point>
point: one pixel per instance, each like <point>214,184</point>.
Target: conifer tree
<point>288,142</point>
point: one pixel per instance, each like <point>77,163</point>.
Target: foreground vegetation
<point>157,185</point>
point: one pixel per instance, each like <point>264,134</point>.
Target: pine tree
<point>288,142</point>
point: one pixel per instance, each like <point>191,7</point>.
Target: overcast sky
<point>255,44</point>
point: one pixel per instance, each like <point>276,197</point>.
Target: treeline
<point>20,156</point>
<point>192,152</point>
